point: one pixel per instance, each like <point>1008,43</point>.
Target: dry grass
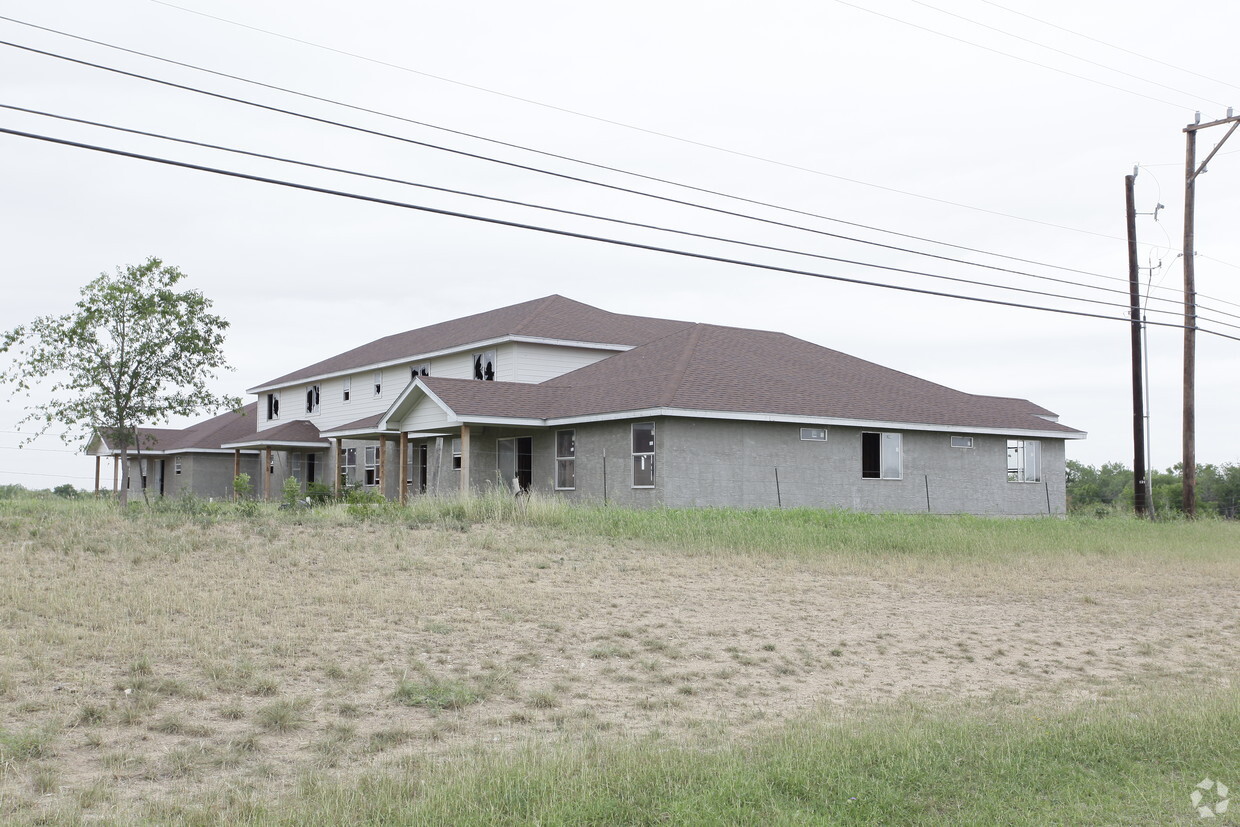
<point>160,655</point>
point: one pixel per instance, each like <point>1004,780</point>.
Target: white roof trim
<point>258,443</point>
<point>747,416</point>
<point>435,354</point>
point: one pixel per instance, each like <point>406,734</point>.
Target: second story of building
<point>530,342</point>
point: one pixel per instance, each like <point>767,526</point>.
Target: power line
<point>592,117</point>
<point>1066,54</point>
<point>1111,45</point>
<point>582,236</point>
<point>40,450</point>
<point>1013,57</point>
<point>577,214</point>
<point>576,179</point>
<point>54,476</point>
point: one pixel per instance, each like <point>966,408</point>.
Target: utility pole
<point>1140,498</point>
<point>1191,171</point>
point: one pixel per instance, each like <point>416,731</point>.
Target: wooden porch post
<point>339,464</point>
<point>383,480</point>
<point>404,468</point>
<point>267,474</point>
<point>116,474</point>
<point>98,467</point>
<point>464,460</point>
<point>236,468</point>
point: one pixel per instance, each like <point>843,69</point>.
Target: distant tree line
<point>1110,488</point>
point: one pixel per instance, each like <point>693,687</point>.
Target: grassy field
<point>491,663</point>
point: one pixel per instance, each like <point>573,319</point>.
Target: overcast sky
<point>1005,128</point>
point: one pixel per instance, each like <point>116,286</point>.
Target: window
<point>515,457</point>
<point>378,383</point>
<point>565,459</point>
<point>1024,460</point>
<point>348,386</point>
<point>814,434</point>
<point>273,405</point>
<point>348,466</point>
<point>962,442</point>
<point>297,465</point>
<point>312,399</point>
<point>881,456</point>
<point>643,455</point>
<point>456,454</point>
<point>312,463</point>
<point>423,369</point>
<point>176,466</point>
<point>484,365</point>
<point>372,465</point>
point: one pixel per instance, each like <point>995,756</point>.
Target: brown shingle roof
<point>296,432</point>
<point>551,317</point>
<point>727,369</point>
<point>230,426</point>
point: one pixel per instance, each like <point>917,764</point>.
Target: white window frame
<point>348,387</point>
<point>378,383</point>
<point>1024,460</point>
<point>479,362</point>
<point>312,399</point>
<point>566,462</point>
<point>642,458</point>
<point>890,453</point>
<point>962,442</point>
<point>176,466</point>
<point>424,369</point>
<point>297,465</point>
<point>273,406</point>
<point>348,466</point>
<point>456,453</point>
<point>370,458</point>
<point>812,434</point>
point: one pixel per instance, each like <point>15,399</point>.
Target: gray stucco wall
<point>709,462</point>
<point>204,475</point>
<point>705,462</point>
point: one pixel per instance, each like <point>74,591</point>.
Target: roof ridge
<point>538,307</point>
<point>682,365</point>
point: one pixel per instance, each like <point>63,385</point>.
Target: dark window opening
<point>484,365</point>
<point>273,405</point>
<point>312,399</point>
<point>516,462</point>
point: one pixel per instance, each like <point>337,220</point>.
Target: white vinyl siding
<point>538,363</point>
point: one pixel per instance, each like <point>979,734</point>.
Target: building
<point>563,399</point>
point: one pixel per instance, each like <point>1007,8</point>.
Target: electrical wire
<point>666,181</point>
<point>565,176</point>
<point>1109,45</point>
<point>1014,57</point>
<point>584,162</point>
<point>582,236</point>
<point>526,167</point>
<point>1064,53</point>
<point>577,214</point>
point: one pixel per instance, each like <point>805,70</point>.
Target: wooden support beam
<point>383,477</point>
<point>98,469</point>
<point>338,464</point>
<point>403,482</point>
<point>236,468</point>
<point>116,474</point>
<point>464,460</point>
<point>267,474</point>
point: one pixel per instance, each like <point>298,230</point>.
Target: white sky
<point>941,139</point>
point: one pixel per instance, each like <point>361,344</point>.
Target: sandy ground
<point>249,658</point>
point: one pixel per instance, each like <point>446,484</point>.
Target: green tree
<point>134,351</point>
